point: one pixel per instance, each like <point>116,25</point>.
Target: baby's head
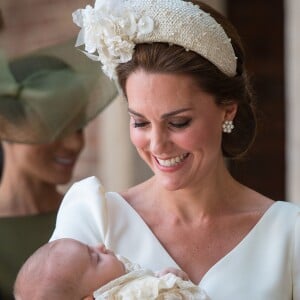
<point>66,269</point>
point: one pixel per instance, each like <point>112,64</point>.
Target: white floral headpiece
<point>112,28</point>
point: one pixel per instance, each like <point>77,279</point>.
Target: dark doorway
<point>261,26</point>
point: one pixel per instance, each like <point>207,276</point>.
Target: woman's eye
<point>140,124</point>
<point>180,124</point>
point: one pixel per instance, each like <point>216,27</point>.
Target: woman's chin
<point>171,185</point>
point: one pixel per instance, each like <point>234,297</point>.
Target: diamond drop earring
<point>227,126</point>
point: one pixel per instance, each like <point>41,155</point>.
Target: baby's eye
<point>96,257</point>
<point>180,124</point>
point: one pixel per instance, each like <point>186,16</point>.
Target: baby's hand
<point>179,273</point>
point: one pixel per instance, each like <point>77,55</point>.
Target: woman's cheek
<point>138,138</point>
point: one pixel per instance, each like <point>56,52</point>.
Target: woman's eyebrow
<point>164,116</point>
<point>175,112</point>
<point>131,111</point>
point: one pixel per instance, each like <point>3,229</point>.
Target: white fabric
<point>139,283</point>
<point>143,284</point>
<point>265,265</point>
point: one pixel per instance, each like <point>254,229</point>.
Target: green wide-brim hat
<point>50,93</point>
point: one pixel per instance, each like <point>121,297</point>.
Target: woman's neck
<point>205,198</point>
<point>21,195</point>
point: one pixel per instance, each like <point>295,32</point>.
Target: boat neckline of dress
<point>228,254</point>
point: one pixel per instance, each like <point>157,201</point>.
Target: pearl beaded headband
<point>112,28</point>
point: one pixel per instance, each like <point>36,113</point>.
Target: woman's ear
<point>230,111</point>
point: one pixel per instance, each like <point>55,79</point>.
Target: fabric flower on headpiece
<point>108,31</point>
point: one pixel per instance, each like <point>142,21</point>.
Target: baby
<point>66,269</point>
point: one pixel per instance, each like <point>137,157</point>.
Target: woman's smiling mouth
<point>171,162</point>
<point>65,161</point>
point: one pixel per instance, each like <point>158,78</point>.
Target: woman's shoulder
<point>288,212</point>
<point>255,201</point>
<point>287,207</point>
<point>138,194</point>
<point>284,215</point>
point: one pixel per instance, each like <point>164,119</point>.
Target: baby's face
<point>103,266</point>
<point>89,267</point>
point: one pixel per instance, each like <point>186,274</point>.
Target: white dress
<point>265,265</point>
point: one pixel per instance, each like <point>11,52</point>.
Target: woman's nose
<point>74,141</point>
<point>159,141</point>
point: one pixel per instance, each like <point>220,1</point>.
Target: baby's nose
<point>101,248</point>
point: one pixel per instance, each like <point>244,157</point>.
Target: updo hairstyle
<point>173,59</point>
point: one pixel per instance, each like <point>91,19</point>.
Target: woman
<point>37,170</point>
<point>182,70</point>
<point>43,109</point>
<point>29,199</point>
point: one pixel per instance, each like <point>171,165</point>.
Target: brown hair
<point>165,58</point>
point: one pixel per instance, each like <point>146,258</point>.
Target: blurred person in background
<point>44,105</point>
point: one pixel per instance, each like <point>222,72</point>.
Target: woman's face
<point>52,163</point>
<point>175,126</point>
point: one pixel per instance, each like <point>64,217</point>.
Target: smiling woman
<point>44,105</point>
<point>181,67</point>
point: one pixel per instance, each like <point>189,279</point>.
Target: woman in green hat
<point>44,105</point>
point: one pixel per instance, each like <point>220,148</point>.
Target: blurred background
<point>269,30</point>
